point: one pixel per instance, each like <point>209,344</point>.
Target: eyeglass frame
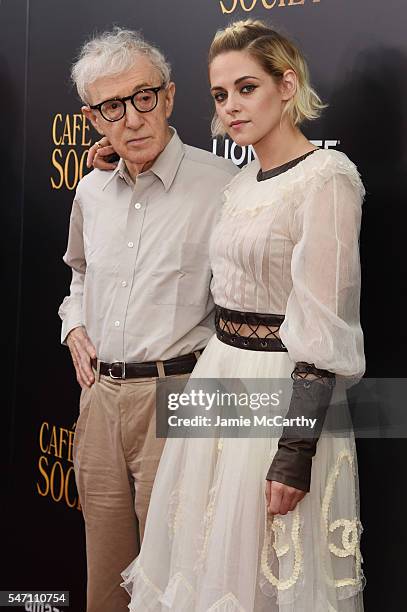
<point>131,98</point>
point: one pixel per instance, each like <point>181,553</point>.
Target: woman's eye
<point>219,97</point>
<point>248,88</point>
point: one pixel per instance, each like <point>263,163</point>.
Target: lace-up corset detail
<point>249,330</point>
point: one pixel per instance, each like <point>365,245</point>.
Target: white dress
<point>286,245</point>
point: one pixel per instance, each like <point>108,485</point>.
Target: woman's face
<point>248,100</point>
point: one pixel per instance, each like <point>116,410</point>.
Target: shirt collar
<point>121,172</point>
<point>167,163</point>
<point>165,166</point>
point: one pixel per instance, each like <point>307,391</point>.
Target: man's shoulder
<point>209,162</point>
<point>95,179</point>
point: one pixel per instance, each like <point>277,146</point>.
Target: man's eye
<point>145,96</point>
<point>248,88</point>
<point>219,97</point>
<point>111,105</point>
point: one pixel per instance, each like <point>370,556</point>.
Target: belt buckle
<point>122,365</point>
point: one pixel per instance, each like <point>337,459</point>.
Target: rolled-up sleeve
<point>71,311</point>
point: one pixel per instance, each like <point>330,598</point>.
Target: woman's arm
<point>321,330</point>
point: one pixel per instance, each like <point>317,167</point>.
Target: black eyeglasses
<point>144,101</point>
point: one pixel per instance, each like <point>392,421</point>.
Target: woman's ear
<point>288,85</point>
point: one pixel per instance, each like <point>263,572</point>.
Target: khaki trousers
<point>116,456</point>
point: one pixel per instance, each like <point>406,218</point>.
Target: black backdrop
<point>358,57</point>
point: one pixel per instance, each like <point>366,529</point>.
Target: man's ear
<point>169,99</point>
<point>93,118</point>
<point>288,85</point>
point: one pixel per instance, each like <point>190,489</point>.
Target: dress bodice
<point>289,245</point>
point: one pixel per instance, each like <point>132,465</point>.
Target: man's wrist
<point>67,328</point>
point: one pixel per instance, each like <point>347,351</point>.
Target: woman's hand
<point>281,498</point>
<point>97,154</point>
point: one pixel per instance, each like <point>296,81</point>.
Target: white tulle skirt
<point>209,545</point>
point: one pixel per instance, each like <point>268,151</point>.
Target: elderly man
<point>139,307</point>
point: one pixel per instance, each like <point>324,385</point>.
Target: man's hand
<point>97,154</point>
<point>82,352</point>
<point>281,498</point>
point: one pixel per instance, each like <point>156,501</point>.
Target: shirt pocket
<point>182,274</point>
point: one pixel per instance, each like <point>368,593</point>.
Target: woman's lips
<point>238,124</point>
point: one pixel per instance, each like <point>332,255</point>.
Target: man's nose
<point>134,119</point>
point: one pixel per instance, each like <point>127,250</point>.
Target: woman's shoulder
<point>325,164</point>
<point>241,187</point>
<point>244,194</point>
<point>245,175</point>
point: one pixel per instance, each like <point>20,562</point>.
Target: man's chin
<point>141,155</point>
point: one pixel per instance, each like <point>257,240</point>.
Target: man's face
<point>138,137</point>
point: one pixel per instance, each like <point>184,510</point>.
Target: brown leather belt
<point>149,369</point>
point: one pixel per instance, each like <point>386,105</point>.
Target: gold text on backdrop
<point>229,6</point>
<point>55,465</point>
<point>69,132</point>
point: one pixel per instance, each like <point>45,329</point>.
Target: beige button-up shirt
<point>139,255</point>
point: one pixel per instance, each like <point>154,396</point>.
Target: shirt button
<point>124,284</point>
<point>117,323</point>
<point>137,206</point>
<point>130,245</point>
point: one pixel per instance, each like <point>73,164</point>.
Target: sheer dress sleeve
<point>321,329</point>
<point>322,324</point>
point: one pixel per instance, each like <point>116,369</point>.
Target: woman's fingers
<point>276,495</point>
<point>91,154</point>
<point>288,501</point>
<point>281,498</point>
<point>268,493</point>
<point>297,498</point>
<point>100,149</point>
<point>102,159</point>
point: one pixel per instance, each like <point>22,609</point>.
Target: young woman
<point>245,524</point>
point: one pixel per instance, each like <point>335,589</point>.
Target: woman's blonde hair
<point>276,54</point>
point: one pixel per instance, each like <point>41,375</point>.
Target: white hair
<point>113,53</point>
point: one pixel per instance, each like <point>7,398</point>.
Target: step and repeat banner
<point>357,52</point>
